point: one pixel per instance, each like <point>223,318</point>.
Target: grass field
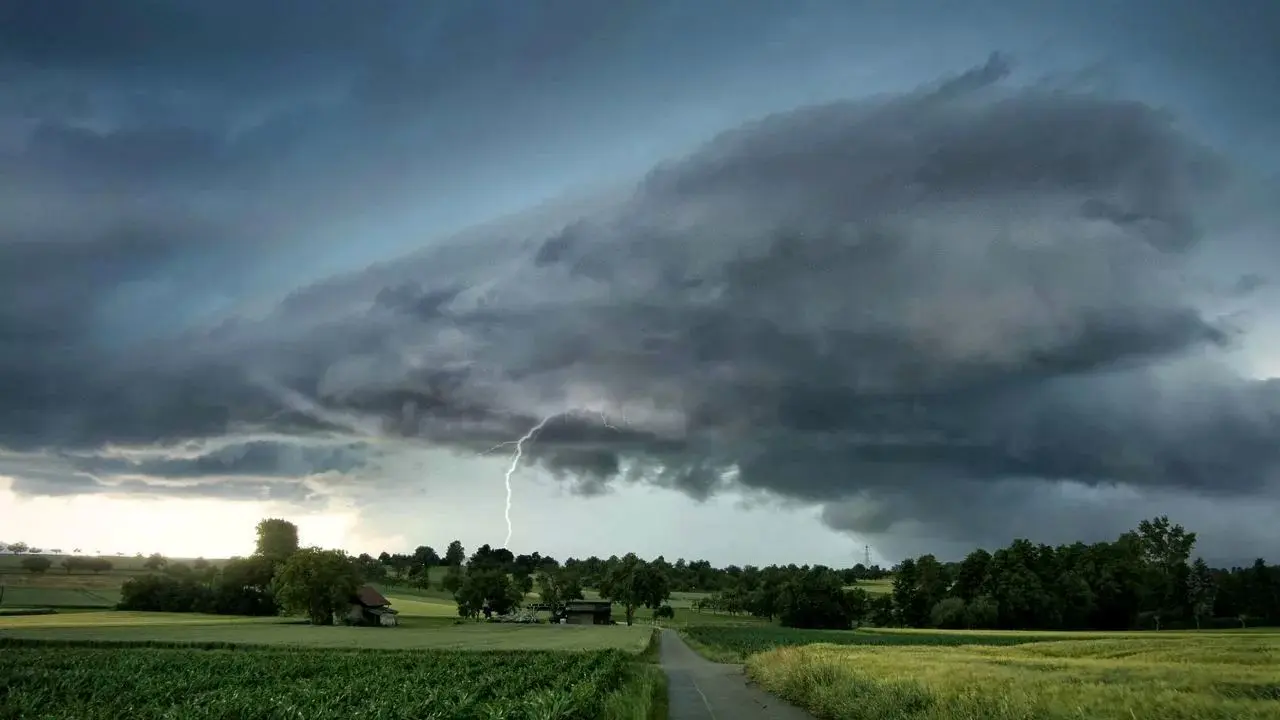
<point>1165,676</point>
<point>877,587</point>
<point>219,630</point>
<point>93,683</point>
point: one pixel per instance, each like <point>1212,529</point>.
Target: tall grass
<point>1210,678</point>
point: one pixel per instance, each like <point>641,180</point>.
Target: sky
<point>776,282</point>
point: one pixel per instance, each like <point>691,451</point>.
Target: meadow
<point>416,632</point>
<point>936,675</point>
<point>734,643</point>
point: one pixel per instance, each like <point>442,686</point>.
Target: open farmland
<point>1189,676</point>
<point>92,683</point>
<point>57,588</point>
<point>734,643</point>
<point>223,630</point>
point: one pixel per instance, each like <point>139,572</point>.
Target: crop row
<point>745,640</point>
<point>116,683</point>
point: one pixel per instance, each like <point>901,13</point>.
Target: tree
<point>486,556</point>
<point>949,613</point>
<point>557,587</point>
<point>316,583</point>
<point>633,582</point>
<point>244,587</point>
<point>908,602</point>
<point>816,598</point>
<point>155,562</point>
<point>524,583</point>
<point>36,564</point>
<point>455,554</point>
<point>982,613</point>
<point>452,579</point>
<point>972,575</point>
<point>277,539</point>
<point>1165,548</point>
<point>18,548</point>
<point>425,556</point>
<point>370,569</point>
<point>487,586</point>
<point>1201,591</point>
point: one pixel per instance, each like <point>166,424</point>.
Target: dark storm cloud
<point>944,293</point>
<point>879,298</point>
<point>262,458</point>
<point>209,488</point>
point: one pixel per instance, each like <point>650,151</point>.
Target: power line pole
<point>866,549</point>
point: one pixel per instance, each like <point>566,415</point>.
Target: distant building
<point>587,612</point>
<point>369,607</point>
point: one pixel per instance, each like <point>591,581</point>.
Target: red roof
<point>369,597</point>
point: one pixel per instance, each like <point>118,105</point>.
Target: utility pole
<point>866,549</point>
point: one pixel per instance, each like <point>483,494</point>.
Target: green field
<point>999,676</point>
<point>91,683</point>
<point>56,588</point>
<point>415,632</point>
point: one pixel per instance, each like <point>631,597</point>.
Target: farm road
<point>698,689</point>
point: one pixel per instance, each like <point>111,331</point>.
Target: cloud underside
<point>962,295</point>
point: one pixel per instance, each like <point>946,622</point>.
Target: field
<point>939,675</point>
<point>220,631</point>
<point>735,643</point>
<point>57,589</point>
<point>92,683</point>
<point>81,661</point>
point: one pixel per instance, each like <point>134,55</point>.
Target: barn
<point>369,607</point>
<point>587,612</point>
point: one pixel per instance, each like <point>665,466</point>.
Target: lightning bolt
<point>519,454</point>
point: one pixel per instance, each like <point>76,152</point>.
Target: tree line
<point>278,577</point>
<point>40,564</point>
<point>1145,579</point>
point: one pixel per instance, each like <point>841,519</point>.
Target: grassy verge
<point>1210,677</point>
<point>644,695</point>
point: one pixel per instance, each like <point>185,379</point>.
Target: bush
<point>36,564</point>
<point>664,611</point>
<point>949,613</point>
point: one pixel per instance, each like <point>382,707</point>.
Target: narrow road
<point>698,689</point>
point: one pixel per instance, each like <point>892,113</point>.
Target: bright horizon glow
<point>186,528</point>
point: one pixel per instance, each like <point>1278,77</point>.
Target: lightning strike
<point>519,454</point>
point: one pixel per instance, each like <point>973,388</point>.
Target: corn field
<point>74,683</point>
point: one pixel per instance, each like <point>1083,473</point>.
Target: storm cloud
<point>967,292</point>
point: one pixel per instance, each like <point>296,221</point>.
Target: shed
<point>370,607</point>
<point>587,612</point>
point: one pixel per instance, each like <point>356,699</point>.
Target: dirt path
<point>698,689</point>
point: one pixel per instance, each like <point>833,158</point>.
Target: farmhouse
<point>369,607</point>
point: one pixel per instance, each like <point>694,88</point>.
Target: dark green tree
<point>316,583</point>
<point>277,539</point>
<point>632,583</point>
<point>455,554</point>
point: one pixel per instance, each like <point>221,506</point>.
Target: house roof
<point>369,597</point>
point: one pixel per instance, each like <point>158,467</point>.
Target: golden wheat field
<point>1205,676</point>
